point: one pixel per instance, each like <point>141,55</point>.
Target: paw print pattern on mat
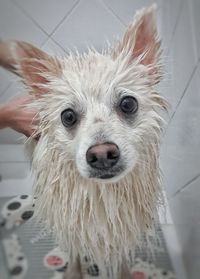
<point>145,270</point>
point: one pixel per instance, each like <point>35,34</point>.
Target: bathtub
<point>15,176</point>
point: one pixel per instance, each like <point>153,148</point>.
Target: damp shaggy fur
<point>100,218</point>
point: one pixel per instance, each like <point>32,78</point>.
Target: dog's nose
<point>103,156</point>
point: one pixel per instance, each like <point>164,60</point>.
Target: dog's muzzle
<point>102,158</point>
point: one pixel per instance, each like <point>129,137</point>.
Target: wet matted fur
<point>102,218</point>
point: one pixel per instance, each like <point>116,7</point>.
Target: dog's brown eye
<point>129,105</point>
<point>68,117</point>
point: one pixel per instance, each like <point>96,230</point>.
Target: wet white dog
<point>96,163</point>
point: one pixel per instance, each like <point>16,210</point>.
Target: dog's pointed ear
<point>31,63</point>
<point>140,42</point>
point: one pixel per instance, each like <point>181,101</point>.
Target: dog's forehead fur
<point>96,80</point>
<point>95,75</point>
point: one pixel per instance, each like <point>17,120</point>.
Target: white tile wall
<point>15,90</point>
<point>90,24</point>
<point>185,208</point>
<point>53,48</point>
<point>14,24</point>
<point>180,150</point>
<point>170,12</point>
<point>47,14</point>
<point>185,205</point>
<point>195,8</point>
<point>12,170</point>
<point>5,78</point>
<point>15,154</point>
<point>125,10</point>
<point>180,155</point>
<point>182,56</point>
<point>9,136</point>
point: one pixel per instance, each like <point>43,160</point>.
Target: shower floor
<point>27,250</point>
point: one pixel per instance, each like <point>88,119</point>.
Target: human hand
<point>17,116</point>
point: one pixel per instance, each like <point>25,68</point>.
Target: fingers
<point>22,101</point>
<point>22,118</point>
<point>31,132</point>
<point>29,120</point>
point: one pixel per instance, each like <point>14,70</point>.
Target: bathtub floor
<point>35,243</point>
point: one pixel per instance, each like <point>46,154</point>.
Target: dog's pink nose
<point>103,156</point>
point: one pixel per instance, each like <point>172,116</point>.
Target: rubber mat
<point>28,250</point>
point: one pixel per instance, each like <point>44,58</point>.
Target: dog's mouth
<point>109,174</point>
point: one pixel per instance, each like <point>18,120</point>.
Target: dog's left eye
<point>129,104</point>
<point>68,117</point>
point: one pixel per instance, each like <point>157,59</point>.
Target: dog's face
<point>102,116</point>
<point>99,110</point>
<point>100,119</point>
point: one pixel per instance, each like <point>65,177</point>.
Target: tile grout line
<point>58,44</point>
<point>194,37</point>
<point>65,17</point>
<point>181,6</point>
<point>49,35</point>
<point>193,72</point>
<point>18,6</point>
<point>57,26</point>
<point>169,55</point>
<point>76,4</point>
<point>110,10</point>
<point>184,91</point>
<point>186,185</point>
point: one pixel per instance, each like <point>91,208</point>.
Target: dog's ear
<point>140,42</point>
<point>31,63</point>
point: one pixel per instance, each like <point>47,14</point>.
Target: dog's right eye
<point>68,118</point>
<point>129,105</point>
